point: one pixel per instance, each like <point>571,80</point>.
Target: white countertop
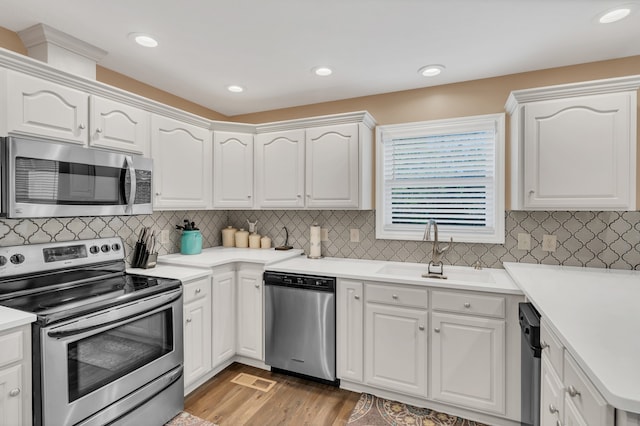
<point>596,314</point>
<point>216,256</point>
<point>460,278</point>
<point>181,273</point>
<point>10,318</point>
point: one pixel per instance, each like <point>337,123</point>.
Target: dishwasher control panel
<point>310,282</point>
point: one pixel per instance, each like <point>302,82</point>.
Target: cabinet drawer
<point>587,399</point>
<point>552,348</point>
<point>196,289</point>
<point>12,350</point>
<point>395,295</point>
<point>468,303</point>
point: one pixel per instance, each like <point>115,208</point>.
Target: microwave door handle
<point>132,183</point>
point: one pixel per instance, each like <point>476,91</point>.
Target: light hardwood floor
<point>292,401</point>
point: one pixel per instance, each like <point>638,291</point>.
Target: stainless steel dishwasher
<point>300,325</point>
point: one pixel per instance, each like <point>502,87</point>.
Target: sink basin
<point>453,273</point>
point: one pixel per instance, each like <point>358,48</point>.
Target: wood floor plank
<point>291,402</point>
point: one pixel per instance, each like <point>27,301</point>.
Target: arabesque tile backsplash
<point>594,239</point>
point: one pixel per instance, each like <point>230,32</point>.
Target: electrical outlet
<point>549,243</point>
<point>324,234</point>
<point>354,235</point>
<point>524,241</point>
<point>164,236</point>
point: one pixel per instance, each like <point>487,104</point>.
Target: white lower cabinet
<point>250,332</point>
<point>15,377</point>
<point>223,319</point>
<point>350,333</point>
<point>197,329</point>
<point>395,341</point>
<point>551,394</point>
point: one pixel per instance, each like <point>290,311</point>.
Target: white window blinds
<point>449,171</point>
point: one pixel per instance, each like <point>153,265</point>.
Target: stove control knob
<point>3,260</point>
<point>94,249</point>
<point>105,248</point>
<point>115,247</point>
<point>17,259</point>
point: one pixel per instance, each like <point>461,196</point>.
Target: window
<point>451,171</point>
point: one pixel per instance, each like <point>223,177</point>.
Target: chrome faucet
<point>436,267</point>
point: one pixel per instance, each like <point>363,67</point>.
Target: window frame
<point>495,235</point>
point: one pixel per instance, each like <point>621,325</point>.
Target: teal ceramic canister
<point>191,242</point>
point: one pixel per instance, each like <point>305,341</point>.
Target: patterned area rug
<point>373,411</point>
<point>186,419</point>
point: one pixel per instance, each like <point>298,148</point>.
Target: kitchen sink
<point>453,273</point>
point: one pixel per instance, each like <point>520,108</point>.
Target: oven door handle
<point>115,316</point>
<point>132,184</point>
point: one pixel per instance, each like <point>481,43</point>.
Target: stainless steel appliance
<point>40,178</point>
<point>107,346</point>
<point>530,365</point>
<point>300,330</point>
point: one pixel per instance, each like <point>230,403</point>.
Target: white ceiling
<point>374,46</point>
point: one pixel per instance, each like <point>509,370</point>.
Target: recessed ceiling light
<point>143,39</point>
<point>235,88</point>
<point>322,71</point>
<point>430,70</point>
<point>614,15</point>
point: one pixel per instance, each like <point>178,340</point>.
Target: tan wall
<point>475,97</point>
<point>10,41</point>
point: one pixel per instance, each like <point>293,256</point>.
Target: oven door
<point>89,364</point>
<point>49,179</point>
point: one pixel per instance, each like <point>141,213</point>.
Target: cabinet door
<point>350,330</point>
<point>280,169</point>
<point>332,166</point>
<point>182,164</point>
<point>572,416</point>
<point>197,339</point>
<point>250,318</point>
<point>223,316</point>
<point>232,170</point>
<point>468,361</point>
<point>11,395</point>
<point>580,153</point>
<point>118,126</point>
<point>396,348</point>
<point>38,107</point>
<point>551,393</point>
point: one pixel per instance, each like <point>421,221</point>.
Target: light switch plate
<point>549,243</point>
<point>324,234</point>
<point>524,241</point>
<point>164,236</point>
<point>354,235</point>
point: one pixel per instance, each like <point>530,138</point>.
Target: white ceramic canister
<point>242,238</point>
<point>254,240</point>
<point>265,242</point>
<point>228,239</point>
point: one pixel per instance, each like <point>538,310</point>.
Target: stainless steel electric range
<point>107,345</point>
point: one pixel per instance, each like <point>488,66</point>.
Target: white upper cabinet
<point>232,170</point>
<point>37,107</point>
<point>119,127</point>
<point>181,155</point>
<point>280,169</point>
<point>332,166</point>
<point>574,146</point>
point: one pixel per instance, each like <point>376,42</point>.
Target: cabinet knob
<point>14,392</point>
<point>81,126</point>
<point>198,290</point>
<point>572,391</point>
<point>248,196</point>
<point>395,296</point>
<point>543,345</point>
<point>188,320</point>
<point>299,196</point>
<point>467,305</point>
<point>552,409</point>
<point>437,330</point>
<point>531,192</point>
<point>257,285</point>
<point>98,130</point>
<point>356,297</point>
<point>158,194</point>
<point>421,327</point>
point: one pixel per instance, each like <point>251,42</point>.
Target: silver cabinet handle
<point>394,296</point>
<point>421,327</point>
<point>158,194</point>
<point>356,297</point>
<point>531,192</point>
<point>552,409</point>
<point>543,345</point>
<point>198,290</point>
<point>257,285</point>
<point>188,320</point>
<point>81,126</point>
<point>467,305</point>
<point>14,392</point>
<point>98,130</point>
<point>572,391</point>
<point>249,196</point>
<point>437,330</point>
<point>299,196</point>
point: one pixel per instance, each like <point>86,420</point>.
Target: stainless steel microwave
<point>41,178</point>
